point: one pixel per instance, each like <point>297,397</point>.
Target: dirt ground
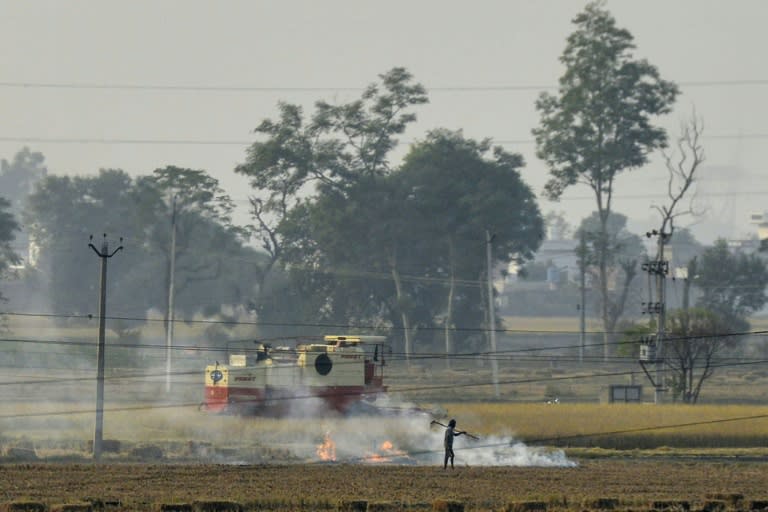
<point>635,483</point>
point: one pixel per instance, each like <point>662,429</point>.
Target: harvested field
<point>623,484</point>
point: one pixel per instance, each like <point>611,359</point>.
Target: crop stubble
<point>636,483</point>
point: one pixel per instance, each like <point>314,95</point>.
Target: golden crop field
<point>622,426</point>
<point>164,453</point>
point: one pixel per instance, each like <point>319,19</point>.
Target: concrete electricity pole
<point>659,268</point>
<point>104,254</point>
<point>661,288</point>
<point>171,299</point>
<point>583,291</point>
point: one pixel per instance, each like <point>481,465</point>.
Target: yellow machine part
<point>210,374</point>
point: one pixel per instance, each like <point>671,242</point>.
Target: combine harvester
<point>343,373</point>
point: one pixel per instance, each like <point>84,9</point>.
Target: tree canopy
<point>338,145</point>
<point>600,123</point>
<point>63,211</point>
<point>732,285</point>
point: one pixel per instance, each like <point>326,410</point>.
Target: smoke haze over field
<point>187,434</point>
<point>413,442</point>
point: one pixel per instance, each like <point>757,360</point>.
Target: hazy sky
<point>200,75</point>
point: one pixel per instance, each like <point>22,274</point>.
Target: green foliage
<point>732,284</point>
<point>344,149</point>
<point>61,214</point>
<point>599,124</point>
<point>619,250</point>
<point>462,187</point>
<point>620,243</point>
<point>373,245</point>
<point>18,176</point>
<point>304,168</point>
<point>8,228</point>
<point>695,337</point>
<point>458,190</point>
<point>190,190</point>
<point>632,335</point>
<point>64,210</point>
<point>16,180</point>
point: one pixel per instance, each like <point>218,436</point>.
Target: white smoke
<point>505,451</point>
<point>408,438</point>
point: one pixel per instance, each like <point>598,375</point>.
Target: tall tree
<point>194,207</point>
<point>18,176</point>
<point>64,210</point>
<point>17,179</point>
<point>463,189</point>
<point>600,122</point>
<point>62,213</point>
<point>358,243</point>
<point>335,148</point>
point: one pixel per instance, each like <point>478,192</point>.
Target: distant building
<point>761,221</point>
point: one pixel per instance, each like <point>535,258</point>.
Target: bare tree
<point>681,162</point>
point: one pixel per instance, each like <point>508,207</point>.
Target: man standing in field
<point>450,433</point>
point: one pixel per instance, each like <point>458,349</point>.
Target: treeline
<point>347,239</point>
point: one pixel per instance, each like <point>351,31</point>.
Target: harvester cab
<point>369,346</point>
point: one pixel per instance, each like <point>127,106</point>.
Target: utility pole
<point>661,282</point>
<point>492,314</point>
<point>104,254</point>
<point>583,290</point>
<point>659,268</point>
<point>171,298</point>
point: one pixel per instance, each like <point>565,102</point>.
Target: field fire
<point>327,449</point>
<point>388,454</point>
<point>410,441</point>
<point>384,453</point>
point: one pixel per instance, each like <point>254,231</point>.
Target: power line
<point>311,396</point>
<point>243,142</point>
<point>261,89</point>
<point>86,140</point>
<point>508,355</point>
<point>258,323</point>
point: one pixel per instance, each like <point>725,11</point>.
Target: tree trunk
<point>603,269</point>
<point>171,302</point>
<point>403,313</point>
<point>449,306</point>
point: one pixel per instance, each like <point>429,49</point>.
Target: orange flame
<point>386,452</point>
<point>327,449</point>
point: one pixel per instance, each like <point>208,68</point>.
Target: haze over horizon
<point>141,85</point>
